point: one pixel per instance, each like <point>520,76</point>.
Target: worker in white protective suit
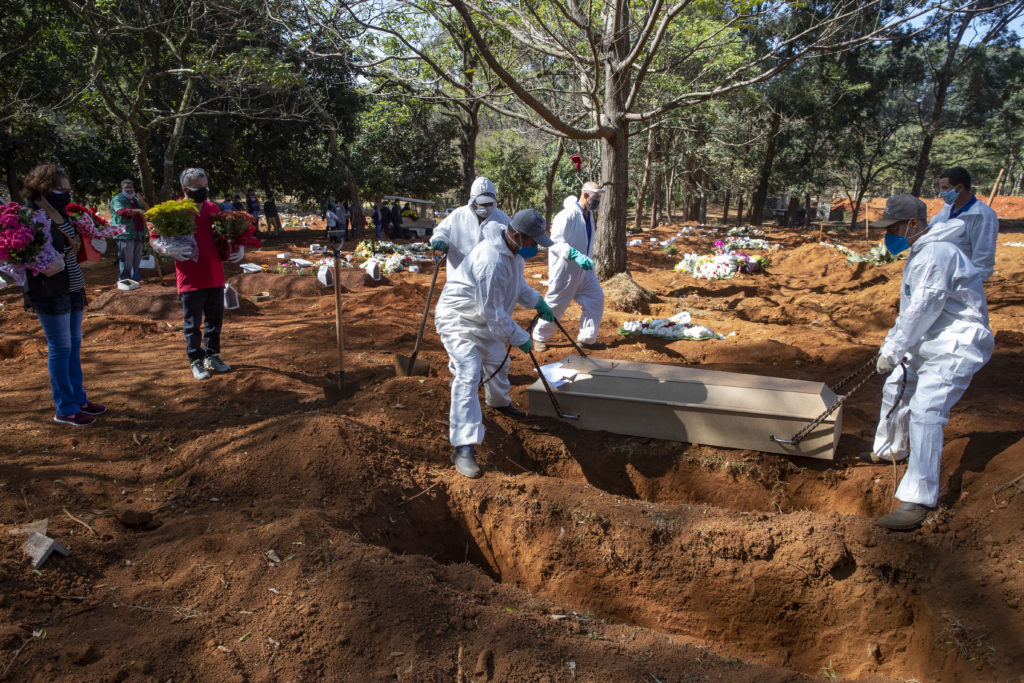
<point>474,321</point>
<point>940,339</point>
<point>462,230</point>
<point>981,225</point>
<point>571,269</point>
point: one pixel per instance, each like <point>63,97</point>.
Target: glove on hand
<point>178,252</point>
<point>439,245</point>
<point>526,346</point>
<point>582,260</point>
<point>883,365</point>
<point>545,311</point>
<point>99,244</point>
<point>236,256</point>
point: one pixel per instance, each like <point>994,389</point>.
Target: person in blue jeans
<point>57,296</point>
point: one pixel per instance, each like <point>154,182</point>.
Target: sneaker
<point>76,420</point>
<point>907,517</point>
<point>91,408</point>
<point>510,410</point>
<point>198,371</point>
<point>464,459</point>
<point>539,346</point>
<point>213,363</point>
<point>594,346</point>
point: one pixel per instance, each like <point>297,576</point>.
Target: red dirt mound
<point>149,301</point>
<point>279,285</point>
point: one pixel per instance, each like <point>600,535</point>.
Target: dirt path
<point>299,538</point>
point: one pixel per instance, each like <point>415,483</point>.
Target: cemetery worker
<point>571,271</point>
<point>273,217</point>
<point>461,231</point>
<point>474,321</point>
<point>57,296</point>
<point>981,226</point>
<point>942,338</point>
<point>127,209</point>
<point>201,282</point>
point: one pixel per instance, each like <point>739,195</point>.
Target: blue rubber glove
<point>545,311</point>
<point>526,346</point>
<point>439,245</point>
<point>582,260</point>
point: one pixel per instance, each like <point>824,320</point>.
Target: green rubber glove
<point>439,245</point>
<point>582,260</point>
<point>526,346</point>
<point>545,311</point>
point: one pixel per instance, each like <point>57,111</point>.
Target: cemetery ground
<point>253,527</point>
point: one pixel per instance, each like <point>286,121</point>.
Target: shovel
<point>409,366</point>
<point>335,394</point>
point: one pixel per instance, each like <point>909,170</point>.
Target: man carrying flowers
<point>128,210</point>
<point>197,264</point>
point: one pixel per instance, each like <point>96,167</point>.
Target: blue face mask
<point>896,244</point>
<point>949,196</point>
<point>528,252</point>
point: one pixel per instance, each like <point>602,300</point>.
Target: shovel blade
<point>408,367</point>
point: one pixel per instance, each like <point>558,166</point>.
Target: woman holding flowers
<point>57,295</point>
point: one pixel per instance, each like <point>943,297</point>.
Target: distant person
<point>376,219</point>
<point>571,275</point>
<point>385,220</point>
<point>273,218</point>
<point>332,224</point>
<point>940,340</point>
<point>981,225</point>
<point>237,204</point>
<point>201,282</point>
<point>396,221</point>
<point>128,210</point>
<point>227,204</point>
<point>252,205</point>
<point>57,296</point>
<point>344,218</point>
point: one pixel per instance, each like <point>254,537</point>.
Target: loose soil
<point>302,532</point>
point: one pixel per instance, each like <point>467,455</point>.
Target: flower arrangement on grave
<point>876,256</point>
<point>396,263</point>
<point>723,265</point>
<point>676,327</point>
<point>746,231</point>
<point>745,242</point>
<point>25,242</point>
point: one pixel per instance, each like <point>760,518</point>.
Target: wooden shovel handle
<point>426,312</point>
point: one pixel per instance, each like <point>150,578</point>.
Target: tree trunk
<point>549,181</point>
<point>13,186</point>
<point>739,210</point>
<point>610,246</point>
<point>703,209</point>
<point>807,211</point>
<point>794,204</point>
<point>668,195</point>
<point>725,206</point>
<point>641,195</point>
<point>655,200</point>
<point>357,203</point>
<point>757,205</point>
<point>943,79</point>
<point>140,138</point>
<point>171,151</point>
<point>469,128</point>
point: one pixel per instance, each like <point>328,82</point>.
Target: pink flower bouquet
<point>25,243</point>
<point>89,224</point>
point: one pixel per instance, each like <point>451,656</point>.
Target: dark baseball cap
<point>902,207</point>
<point>531,223</point>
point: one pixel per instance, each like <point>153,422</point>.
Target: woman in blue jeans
<point>58,297</point>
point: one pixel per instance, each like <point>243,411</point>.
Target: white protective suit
<point>566,280</point>
<point>462,229</point>
<point>978,240</point>
<point>474,320</point>
<point>942,332</point>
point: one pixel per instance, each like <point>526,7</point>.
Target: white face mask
<point>130,193</point>
<point>483,211</point>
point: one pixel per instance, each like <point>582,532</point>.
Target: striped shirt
<point>76,281</point>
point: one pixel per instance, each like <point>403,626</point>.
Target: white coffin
<point>692,405</point>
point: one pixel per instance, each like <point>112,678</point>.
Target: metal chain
<point>508,350</point>
<point>799,436</point>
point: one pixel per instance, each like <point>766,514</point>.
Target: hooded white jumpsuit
<point>566,280</point>
<point>942,331</point>
<point>474,321</point>
<point>462,229</point>
<point>981,231</point>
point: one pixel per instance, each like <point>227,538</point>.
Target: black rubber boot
<point>464,459</point>
<point>907,517</point>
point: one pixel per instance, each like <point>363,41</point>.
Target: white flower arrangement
<point>676,327</point>
<point>745,242</point>
<point>746,231</point>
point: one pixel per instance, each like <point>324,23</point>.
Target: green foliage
<point>509,162</point>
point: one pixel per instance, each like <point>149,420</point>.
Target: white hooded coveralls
<point>474,321</point>
<point>566,280</point>
<point>462,229</point>
<point>978,240</point>
<point>942,331</point>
